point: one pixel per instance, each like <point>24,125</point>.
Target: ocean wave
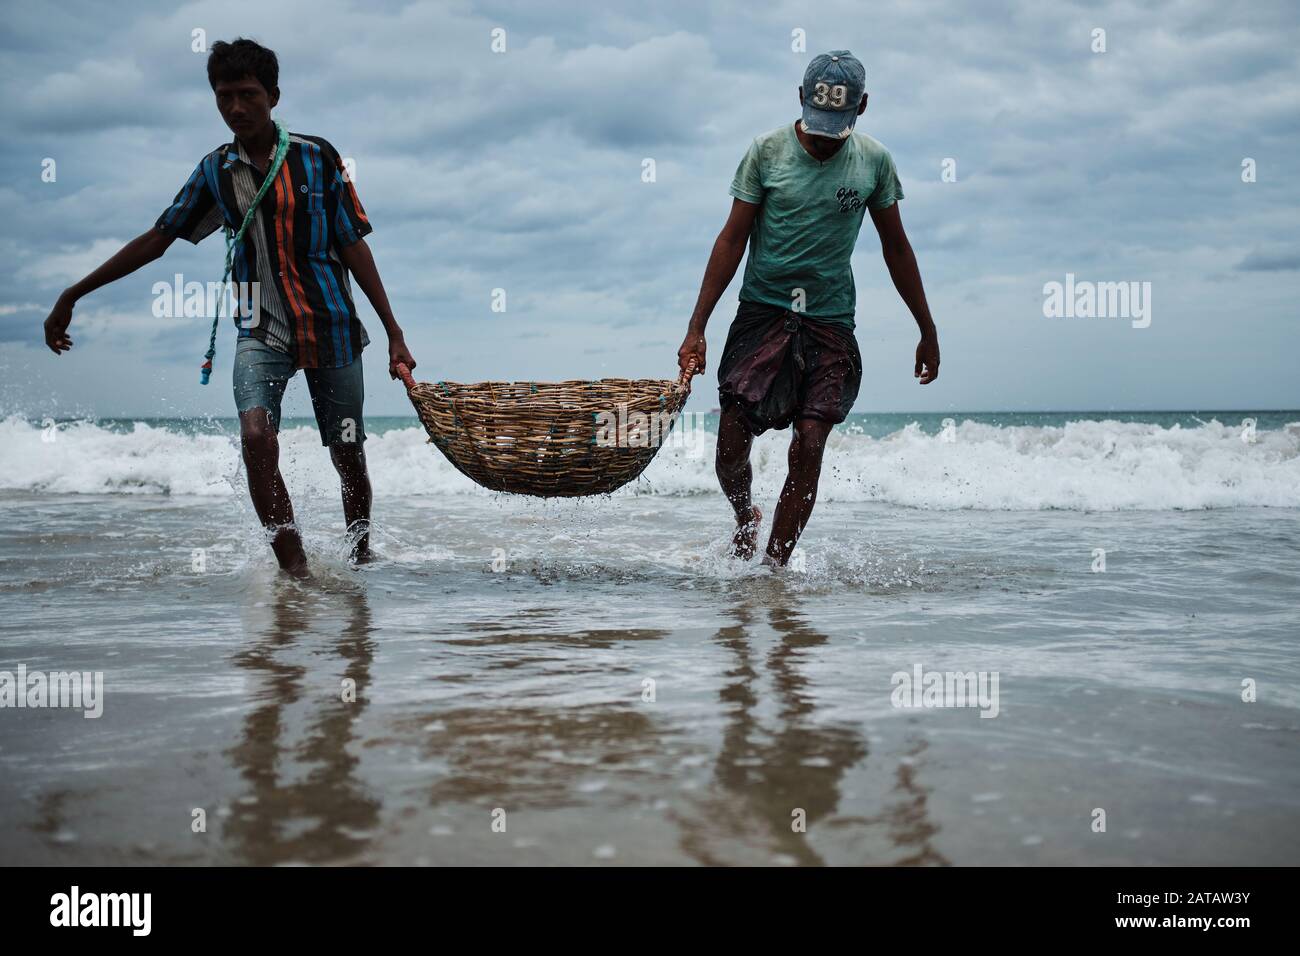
<point>1081,465</point>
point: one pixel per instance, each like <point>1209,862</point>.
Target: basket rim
<point>681,384</point>
<point>565,383</point>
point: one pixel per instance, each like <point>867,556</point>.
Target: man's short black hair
<point>234,61</point>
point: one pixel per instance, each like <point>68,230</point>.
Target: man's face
<point>824,147</point>
<point>245,104</point>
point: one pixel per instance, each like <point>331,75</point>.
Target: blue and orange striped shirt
<point>309,213</point>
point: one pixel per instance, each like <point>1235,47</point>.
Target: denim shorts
<point>262,372</point>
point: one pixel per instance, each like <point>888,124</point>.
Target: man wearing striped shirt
<point>305,239</point>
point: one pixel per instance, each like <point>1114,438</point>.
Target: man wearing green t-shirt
<point>800,195</point>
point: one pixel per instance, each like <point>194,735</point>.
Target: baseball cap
<point>833,86</point>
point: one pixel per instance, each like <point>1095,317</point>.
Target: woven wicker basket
<point>549,439</point>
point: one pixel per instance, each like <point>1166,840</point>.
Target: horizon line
<point>712,411</point>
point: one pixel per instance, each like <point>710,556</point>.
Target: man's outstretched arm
<point>901,262</point>
<point>140,251</point>
<point>356,256</point>
<point>728,250</point>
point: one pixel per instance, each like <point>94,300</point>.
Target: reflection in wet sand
<point>536,757</point>
<point>909,825</point>
<point>564,745</point>
<point>776,767</point>
<point>769,767</point>
<point>516,751</point>
<point>304,801</point>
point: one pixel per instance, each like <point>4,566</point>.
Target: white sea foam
<point>1082,465</point>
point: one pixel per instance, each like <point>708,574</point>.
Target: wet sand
<point>523,690</point>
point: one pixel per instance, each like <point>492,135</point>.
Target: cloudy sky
<point>522,171</point>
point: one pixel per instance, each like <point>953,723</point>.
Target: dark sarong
<point>778,366</point>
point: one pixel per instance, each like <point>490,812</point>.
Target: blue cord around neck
<point>233,239</point>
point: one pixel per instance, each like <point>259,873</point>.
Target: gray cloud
<point>522,171</point>
<point>1275,261</point>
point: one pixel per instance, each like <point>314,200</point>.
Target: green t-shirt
<point>808,219</point>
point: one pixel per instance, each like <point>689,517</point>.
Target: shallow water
<point>501,647</point>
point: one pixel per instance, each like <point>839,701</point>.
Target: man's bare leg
<point>266,487</point>
<point>735,475</point>
<point>800,491</point>
<point>350,462</point>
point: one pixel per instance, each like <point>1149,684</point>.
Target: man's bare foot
<point>297,570</point>
<point>745,540</point>
<point>358,537</point>
<point>773,557</point>
<point>287,545</point>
